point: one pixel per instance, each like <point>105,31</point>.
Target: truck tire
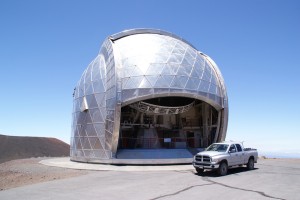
<point>199,171</point>
<point>223,168</point>
<point>250,164</point>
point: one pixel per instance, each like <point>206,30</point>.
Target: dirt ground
<point>22,172</point>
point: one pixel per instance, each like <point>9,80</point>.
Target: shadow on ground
<point>234,171</point>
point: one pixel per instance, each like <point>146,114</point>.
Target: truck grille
<point>203,158</point>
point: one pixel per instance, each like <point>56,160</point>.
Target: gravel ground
<point>21,172</point>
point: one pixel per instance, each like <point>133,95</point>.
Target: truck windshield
<point>217,147</point>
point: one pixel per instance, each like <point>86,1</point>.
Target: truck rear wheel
<point>223,168</point>
<point>250,164</point>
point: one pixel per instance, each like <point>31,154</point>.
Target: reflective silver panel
<point>132,66</point>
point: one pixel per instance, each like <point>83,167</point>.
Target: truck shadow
<point>233,171</point>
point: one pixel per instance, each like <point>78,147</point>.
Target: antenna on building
<point>74,92</point>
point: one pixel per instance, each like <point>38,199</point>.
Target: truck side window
<point>239,148</point>
<point>232,147</point>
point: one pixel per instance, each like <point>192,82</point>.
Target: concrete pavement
<point>272,179</point>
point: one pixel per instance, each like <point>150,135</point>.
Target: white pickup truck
<point>224,155</point>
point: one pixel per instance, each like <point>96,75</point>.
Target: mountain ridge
<point>18,147</point>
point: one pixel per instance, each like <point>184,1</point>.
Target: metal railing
<point>153,109</point>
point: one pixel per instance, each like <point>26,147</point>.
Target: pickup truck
<point>224,155</point>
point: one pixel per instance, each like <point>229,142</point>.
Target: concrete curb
<point>65,162</point>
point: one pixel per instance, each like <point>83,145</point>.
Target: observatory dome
<point>148,94</point>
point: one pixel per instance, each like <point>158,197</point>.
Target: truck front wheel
<point>250,164</point>
<point>222,171</point>
<point>199,171</point>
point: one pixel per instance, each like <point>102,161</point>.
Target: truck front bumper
<point>205,165</point>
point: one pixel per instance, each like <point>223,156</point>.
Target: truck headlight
<point>215,160</point>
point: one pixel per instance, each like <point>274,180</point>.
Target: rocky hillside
<point>15,147</point>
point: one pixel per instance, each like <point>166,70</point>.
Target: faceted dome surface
<point>132,66</point>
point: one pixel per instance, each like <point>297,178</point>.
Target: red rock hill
<point>15,147</point>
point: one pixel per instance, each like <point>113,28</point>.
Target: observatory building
<point>149,97</point>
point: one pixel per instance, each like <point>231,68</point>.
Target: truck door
<point>241,155</point>
<point>233,158</point>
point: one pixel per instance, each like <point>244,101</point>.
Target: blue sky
<point>46,45</point>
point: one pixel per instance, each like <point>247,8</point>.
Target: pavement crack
<point>180,191</point>
<point>247,190</point>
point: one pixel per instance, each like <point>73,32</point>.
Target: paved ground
<point>272,179</point>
